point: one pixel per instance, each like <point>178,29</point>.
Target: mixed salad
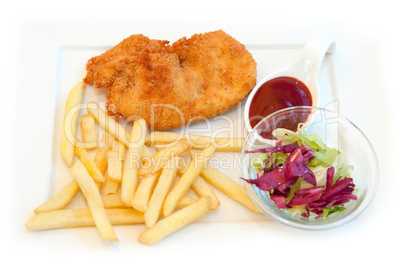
<point>302,175</point>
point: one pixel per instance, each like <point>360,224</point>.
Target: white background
<point>371,55</point>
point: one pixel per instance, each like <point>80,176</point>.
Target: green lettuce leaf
<point>328,211</point>
<point>279,157</point>
<point>313,141</point>
<point>258,163</point>
<point>287,136</point>
<point>324,158</point>
<point>343,169</point>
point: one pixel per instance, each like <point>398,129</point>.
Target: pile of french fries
<point>127,183</point>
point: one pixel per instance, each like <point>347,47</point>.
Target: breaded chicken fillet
<point>171,85</point>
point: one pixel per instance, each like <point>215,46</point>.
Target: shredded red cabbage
<point>296,169</point>
<point>330,177</point>
<point>306,196</point>
<point>269,181</point>
<point>278,179</point>
<point>317,199</point>
<point>283,177</point>
<point>279,200</point>
<point>308,153</point>
<point>280,148</point>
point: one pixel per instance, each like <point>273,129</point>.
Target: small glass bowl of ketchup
<point>296,85</point>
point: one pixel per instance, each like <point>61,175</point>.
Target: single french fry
<point>133,161</point>
<point>188,178</point>
<point>185,201</point>
<point>91,193</point>
<point>175,221</point>
<point>227,186</point>
<point>120,148</point>
<point>146,155</point>
<point>108,123</point>
<point>200,186</point>
<point>163,156</point>
<point>112,201</point>
<point>111,187</point>
<point>100,158</point>
<point>161,190</point>
<point>70,121</point>
<point>72,218</point>
<point>197,141</point>
<point>115,166</point>
<point>88,132</point>
<point>144,192</point>
<point>61,199</point>
<point>87,161</point>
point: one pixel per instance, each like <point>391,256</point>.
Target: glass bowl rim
<point>358,211</point>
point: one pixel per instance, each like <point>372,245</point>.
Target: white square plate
<point>71,62</point>
<point>64,53</point>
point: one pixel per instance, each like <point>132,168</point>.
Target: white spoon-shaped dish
<point>305,68</point>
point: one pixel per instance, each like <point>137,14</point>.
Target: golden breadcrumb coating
<point>171,85</point>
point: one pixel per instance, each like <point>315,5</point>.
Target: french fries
<point>112,201</point>
<point>200,186</point>
<point>108,123</point>
<point>100,158</point>
<point>144,191</point>
<point>115,166</point>
<point>133,160</point>
<point>87,161</point>
<point>61,199</point>
<point>185,201</point>
<point>111,187</point>
<point>91,193</point>
<point>70,121</point>
<point>232,189</point>
<point>72,218</point>
<point>163,156</point>
<point>88,132</point>
<point>185,182</point>
<point>146,155</point>
<point>197,141</point>
<point>175,221</point>
<point>162,188</point>
<point>154,197</point>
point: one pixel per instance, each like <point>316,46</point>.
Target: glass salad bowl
<point>324,131</point>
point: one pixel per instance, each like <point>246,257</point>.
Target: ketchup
<point>276,94</point>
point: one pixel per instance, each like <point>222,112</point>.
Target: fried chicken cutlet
<point>172,85</point>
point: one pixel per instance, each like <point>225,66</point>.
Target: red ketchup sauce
<point>276,94</point>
